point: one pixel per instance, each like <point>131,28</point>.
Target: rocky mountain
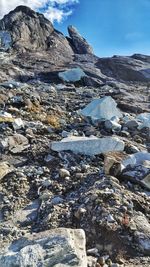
<point>74,150</point>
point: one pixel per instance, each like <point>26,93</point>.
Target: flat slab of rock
<point>102,109</point>
<point>58,247</point>
<point>72,75</point>
<point>89,145</point>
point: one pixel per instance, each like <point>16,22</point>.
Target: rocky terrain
<point>74,150</point>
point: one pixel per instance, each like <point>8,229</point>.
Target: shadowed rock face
<point>31,30</point>
<point>78,43</point>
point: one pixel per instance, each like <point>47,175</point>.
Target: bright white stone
<point>18,124</point>
<point>144,118</point>
<point>89,145</point>
<point>72,75</point>
<point>102,109</point>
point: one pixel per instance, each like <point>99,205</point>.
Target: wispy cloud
<point>54,10</point>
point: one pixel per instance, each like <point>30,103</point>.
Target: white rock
<point>72,75</point>
<point>18,124</point>
<point>136,159</point>
<point>57,248</point>
<point>102,109</point>
<point>64,173</point>
<point>88,145</point>
<point>144,118</point>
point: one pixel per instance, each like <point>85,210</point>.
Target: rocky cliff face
<point>31,31</point>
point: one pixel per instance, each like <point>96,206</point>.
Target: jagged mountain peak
<point>79,44</point>
<point>31,31</point>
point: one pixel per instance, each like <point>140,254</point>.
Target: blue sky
<point>112,27</point>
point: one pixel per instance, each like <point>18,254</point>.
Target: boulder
<point>144,118</point>
<point>72,75</point>
<point>141,233</point>
<point>58,247</point>
<point>102,109</point>
<point>88,145</point>
<point>136,159</point>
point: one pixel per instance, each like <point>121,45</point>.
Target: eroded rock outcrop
<point>78,43</point>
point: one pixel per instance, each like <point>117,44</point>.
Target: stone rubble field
<point>63,166</point>
<point>74,150</point>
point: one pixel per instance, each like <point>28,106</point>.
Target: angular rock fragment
<point>72,75</point>
<point>146,181</point>
<point>17,143</point>
<point>142,233</point>
<point>102,109</point>
<point>5,168</point>
<point>113,125</point>
<point>136,159</point>
<point>89,145</point>
<point>18,124</point>
<point>144,118</point>
<point>58,247</point>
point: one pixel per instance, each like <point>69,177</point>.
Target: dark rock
<point>78,43</point>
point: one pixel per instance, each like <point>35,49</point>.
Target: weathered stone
<point>64,173</point>
<point>146,181</point>
<point>102,109</point>
<point>5,168</point>
<point>144,118</point>
<point>136,159</point>
<point>142,233</point>
<point>18,124</point>
<point>72,75</point>
<point>17,143</point>
<point>131,124</point>
<point>78,43</point>
<point>60,247</point>
<point>111,159</point>
<point>113,125</point>
<point>89,145</point>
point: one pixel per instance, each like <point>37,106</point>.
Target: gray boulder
<point>102,109</point>
<point>60,247</point>
<point>89,145</point>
